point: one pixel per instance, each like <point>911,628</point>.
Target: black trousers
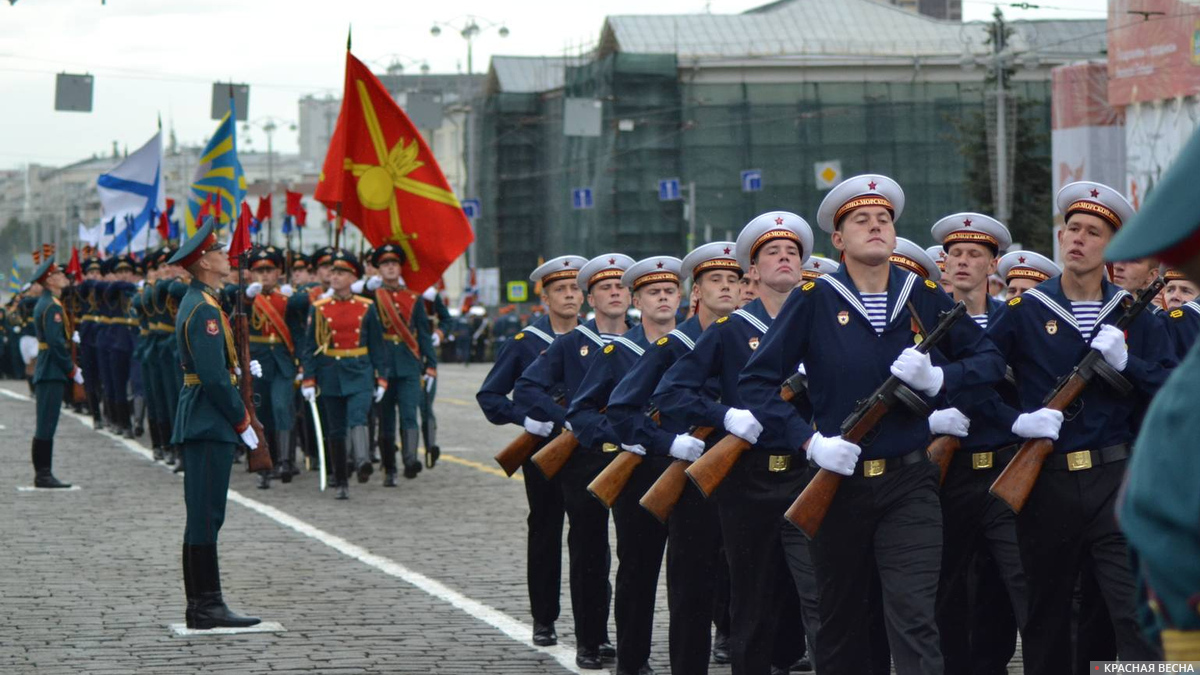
<point>977,638</point>
<point>544,547</point>
<point>1069,523</point>
<point>587,543</point>
<point>1094,636</point>
<point>892,523</point>
<point>640,543</point>
<point>693,547</point>
<point>751,502</point>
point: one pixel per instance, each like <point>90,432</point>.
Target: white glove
<point>635,449</point>
<point>299,377</point>
<point>835,454</point>
<point>741,423</point>
<point>255,368</point>
<point>75,337</point>
<point>379,392</point>
<point>253,290</point>
<point>429,294</point>
<point>1043,423</point>
<point>435,338</point>
<point>357,287</point>
<point>568,427</point>
<point>949,421</point>
<point>78,377</point>
<point>537,428</point>
<point>1110,342</point>
<point>429,380</point>
<point>328,293</point>
<point>687,447</point>
<point>309,393</point>
<point>286,290</point>
<point>374,282</point>
<point>250,438</point>
<point>141,283</point>
<point>918,372</point>
<point>800,369</point>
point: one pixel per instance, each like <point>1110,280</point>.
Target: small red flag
<point>329,215</point>
<point>164,226</point>
<point>293,203</point>
<point>264,209</point>
<point>302,217</point>
<point>74,268</point>
<point>241,237</point>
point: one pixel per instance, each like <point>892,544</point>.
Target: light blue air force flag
<point>134,188</point>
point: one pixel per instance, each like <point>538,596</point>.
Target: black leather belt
<point>873,468</point>
<point>1081,460</point>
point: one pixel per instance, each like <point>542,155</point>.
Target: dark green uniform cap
<point>45,269</point>
<point>1168,224</point>
<point>196,245</point>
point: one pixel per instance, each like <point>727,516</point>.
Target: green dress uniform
<point>208,425</point>
<point>435,309</point>
<point>51,375</point>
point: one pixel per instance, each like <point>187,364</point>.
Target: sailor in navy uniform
<point>761,485</point>
<point>693,531</point>
<point>1022,270</point>
<point>938,254</point>
<point>554,377</point>
<point>852,330</point>
<point>1182,311</point>
<point>979,549</point>
<point>654,282</point>
<point>817,265</point>
<point>561,295</point>
<point>1067,524</point>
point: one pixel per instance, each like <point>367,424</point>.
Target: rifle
<point>941,451</point>
<point>1014,484</point>
<point>258,459</point>
<point>608,484</point>
<point>515,453</point>
<point>810,507</point>
<point>716,463</point>
<point>662,496</point>
<point>78,393</point>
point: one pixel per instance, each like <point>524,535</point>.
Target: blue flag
<point>220,174</point>
<point>287,225</point>
<point>110,226</point>
<point>14,279</point>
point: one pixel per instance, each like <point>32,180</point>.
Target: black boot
<point>340,473</point>
<point>287,455</point>
<point>588,658</point>
<point>139,415</point>
<point>432,451</point>
<point>124,417</point>
<point>177,453</point>
<point>189,615</point>
<point>93,398</point>
<point>544,634</point>
<point>387,451</point>
<point>264,480</point>
<point>408,452</point>
<point>211,611</point>
<point>361,453</point>
<point>156,440</point>
<point>43,459</point>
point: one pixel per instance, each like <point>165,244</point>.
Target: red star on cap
<point>816,264</point>
<point>1095,193</point>
<point>727,250</point>
<point>1021,259</point>
<point>660,266</point>
<point>778,220</point>
<point>871,185</point>
<point>612,261</point>
<point>967,222</point>
<point>566,263</point>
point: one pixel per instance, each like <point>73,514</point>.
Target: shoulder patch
<point>930,284</point>
<point>662,341</point>
<point>723,319</point>
<point>808,286</point>
<point>1176,313</point>
<point>361,299</point>
<point>1015,301</point>
<point>608,349</point>
<point>519,336</point>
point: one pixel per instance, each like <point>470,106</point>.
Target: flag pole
<point>337,231</point>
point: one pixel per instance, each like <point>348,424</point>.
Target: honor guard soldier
<point>273,315</point>
<point>938,254</point>
<point>344,358</point>
<point>117,340</point>
<point>976,527</point>
<point>693,531</point>
<point>148,318</point>
<point>439,318</point>
<point>561,296</point>
<point>54,369</point>
<point>853,330</point>
<point>89,324</point>
<point>411,357</point>
<point>1159,510</point>
<point>209,423</point>
<point>1067,524</point>
<point>763,597</point>
<point>654,283</point>
<point>556,376</point>
<point>1022,270</point>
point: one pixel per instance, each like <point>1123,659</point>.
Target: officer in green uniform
<point>210,422</point>
<point>54,369</point>
<point>1160,511</point>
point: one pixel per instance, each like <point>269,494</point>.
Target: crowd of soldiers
<point>914,566</point>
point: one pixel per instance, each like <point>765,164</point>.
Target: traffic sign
<point>518,291</point>
<point>471,207</point>
<point>581,198</point>
<point>668,190</point>
<point>752,180</point>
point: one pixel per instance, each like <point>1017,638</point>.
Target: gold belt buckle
<point>779,463</point>
<point>609,447</point>
<point>874,467</point>
<point>983,460</point>
<point>1078,461</point>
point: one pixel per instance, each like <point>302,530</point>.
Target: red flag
<point>216,210</point>
<point>302,217</point>
<point>241,237</point>
<point>293,203</point>
<point>170,206</point>
<point>329,215</point>
<point>264,209</point>
<point>74,268</point>
<point>381,172</point>
<point>164,226</point>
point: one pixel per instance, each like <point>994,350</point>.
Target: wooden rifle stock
<point>259,458</point>
<point>514,454</point>
<point>809,509</point>
<point>941,451</point>
<point>1014,484</point>
<point>664,494</point>
<point>608,484</point>
<point>554,455</point>
<point>716,462</point>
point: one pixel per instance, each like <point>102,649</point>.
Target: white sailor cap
<point>1095,199</point>
<point>602,267</point>
<point>939,257</point>
<point>769,226</point>
<point>818,265</point>
<point>557,269</point>
<point>913,258</point>
<point>869,189</point>
<point>719,255</point>
<point>652,270</point>
<point>972,228</point>
<point>1027,265</point>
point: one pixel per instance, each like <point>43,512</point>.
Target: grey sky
<point>152,56</point>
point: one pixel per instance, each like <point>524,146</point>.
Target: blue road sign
<point>581,198</point>
<point>471,207</point>
<point>752,180</point>
<point>668,190</point>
